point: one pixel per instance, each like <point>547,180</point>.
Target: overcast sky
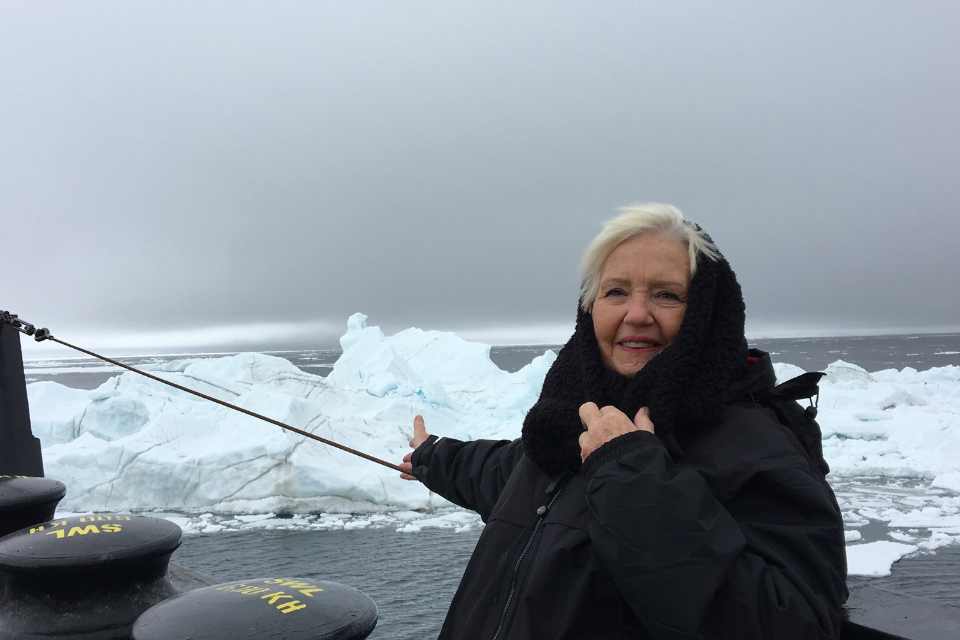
<point>207,174</point>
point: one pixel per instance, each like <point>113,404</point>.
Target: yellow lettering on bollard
<point>293,584</point>
<point>110,528</point>
<point>90,528</point>
<point>57,532</point>
<point>287,607</point>
<point>251,590</point>
<point>305,588</point>
<point>273,597</point>
<point>274,581</point>
<point>52,525</point>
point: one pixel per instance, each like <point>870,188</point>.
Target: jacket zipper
<point>541,514</point>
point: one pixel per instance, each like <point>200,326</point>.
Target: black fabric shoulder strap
<point>802,421</point>
<point>799,388</point>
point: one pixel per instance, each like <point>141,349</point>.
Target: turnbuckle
<point>24,327</point>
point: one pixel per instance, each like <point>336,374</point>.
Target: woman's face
<point>641,301</point>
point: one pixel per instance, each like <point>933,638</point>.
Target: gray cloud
<point>172,166</point>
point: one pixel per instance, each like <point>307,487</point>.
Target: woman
<point>649,495</point>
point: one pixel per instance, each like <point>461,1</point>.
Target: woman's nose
<point>638,313</point>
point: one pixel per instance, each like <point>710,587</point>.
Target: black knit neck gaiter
<point>683,386</point>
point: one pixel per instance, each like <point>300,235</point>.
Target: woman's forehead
<point>651,257</point>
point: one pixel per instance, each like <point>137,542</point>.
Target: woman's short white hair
<point>638,220</point>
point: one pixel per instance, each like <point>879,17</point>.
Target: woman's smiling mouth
<point>638,344</point>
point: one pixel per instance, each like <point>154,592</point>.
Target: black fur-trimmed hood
<point>684,386</point>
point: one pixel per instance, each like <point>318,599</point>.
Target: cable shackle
<point>24,327</point>
<point>44,334</point>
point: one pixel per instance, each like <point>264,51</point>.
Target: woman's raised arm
<point>469,474</point>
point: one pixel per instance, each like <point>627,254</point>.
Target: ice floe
<point>875,558</point>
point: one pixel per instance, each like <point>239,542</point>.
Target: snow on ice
<point>892,439</point>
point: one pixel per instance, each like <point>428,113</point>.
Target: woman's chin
<point>628,369</point>
<point>628,365</point>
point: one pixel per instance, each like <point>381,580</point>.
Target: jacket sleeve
<point>470,474</point>
<point>747,543</point>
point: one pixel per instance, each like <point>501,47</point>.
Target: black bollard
<point>84,577</point>
<point>27,501</point>
<point>19,450</point>
<point>289,608</point>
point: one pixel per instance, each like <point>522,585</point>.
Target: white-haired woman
<point>649,494</point>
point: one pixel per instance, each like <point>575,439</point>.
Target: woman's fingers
<point>420,436</point>
<point>603,425</point>
<point>419,432</point>
<point>586,445</point>
<point>642,420</point>
<point>408,474</point>
<point>589,412</point>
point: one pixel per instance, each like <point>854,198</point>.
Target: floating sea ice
<point>875,558</point>
<point>457,520</point>
<point>402,521</point>
<point>948,481</point>
<point>785,371</point>
<point>892,423</point>
<point>841,371</point>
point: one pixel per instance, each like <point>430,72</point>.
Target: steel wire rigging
<point>41,335</point>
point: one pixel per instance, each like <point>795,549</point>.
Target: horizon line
<point>295,336</point>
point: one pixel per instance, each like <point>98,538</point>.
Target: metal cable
<point>44,334</point>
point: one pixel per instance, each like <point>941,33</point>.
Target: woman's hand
<point>603,425</point>
<point>420,436</point>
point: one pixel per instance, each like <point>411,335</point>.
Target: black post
<point>19,450</point>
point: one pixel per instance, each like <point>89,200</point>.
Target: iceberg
<point>135,444</point>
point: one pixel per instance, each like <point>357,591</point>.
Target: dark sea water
<point>413,576</point>
<point>873,353</point>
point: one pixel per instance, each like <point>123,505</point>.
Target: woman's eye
<point>616,291</point>
<point>667,295</point>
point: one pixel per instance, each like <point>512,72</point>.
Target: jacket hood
<point>759,375</point>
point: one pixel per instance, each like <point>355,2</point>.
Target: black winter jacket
<point>738,537</point>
